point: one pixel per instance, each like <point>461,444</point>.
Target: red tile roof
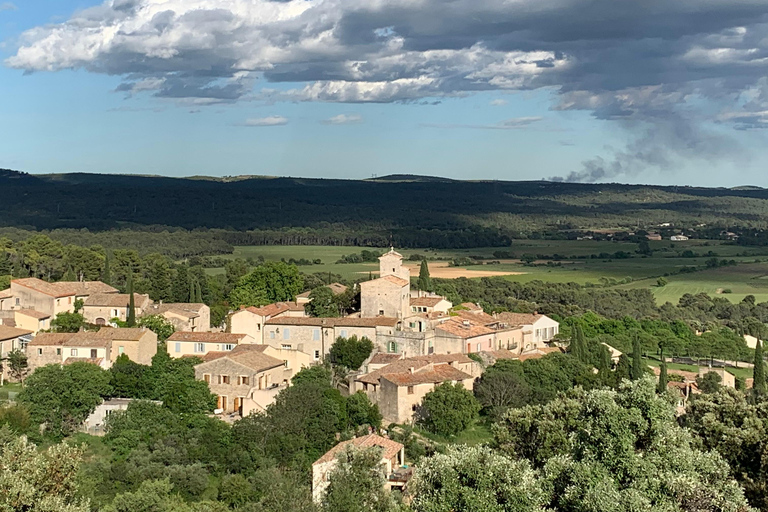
<point>114,300</point>
<point>464,328</point>
<point>390,448</point>
<point>33,313</point>
<point>405,365</point>
<point>6,294</point>
<point>385,358</point>
<point>65,288</point>
<point>252,356</point>
<point>183,309</point>
<point>428,302</point>
<point>275,309</point>
<point>9,333</point>
<point>431,374</point>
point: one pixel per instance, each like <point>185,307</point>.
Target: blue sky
<point>553,115</point>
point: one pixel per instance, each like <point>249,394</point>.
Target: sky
<point>634,91</point>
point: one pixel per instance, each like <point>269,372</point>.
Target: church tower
<point>391,264</point>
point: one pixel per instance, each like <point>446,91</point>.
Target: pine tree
<point>69,275</point>
<point>637,362</point>
<point>663,380</point>
<point>131,321</point>
<point>758,375</point>
<point>106,275</point>
<point>425,282</point>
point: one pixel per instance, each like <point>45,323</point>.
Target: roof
<point>33,313</point>
<point>478,316</point>
<point>379,321</point>
<point>429,302</point>
<point>6,294</point>
<point>114,300</point>
<point>275,309</point>
<point>404,365</point>
<point>338,288</point>
<point>65,288</point>
<point>399,281</point>
<point>251,356</point>
<point>9,333</point>
<point>385,358</point>
<point>687,376</point>
<point>390,448</point>
<point>431,374</point>
<point>464,328</point>
<point>392,252</point>
<point>49,339</point>
<point>518,318</point>
<point>187,310</point>
<point>471,307</point>
<point>207,337</point>
<point>87,338</point>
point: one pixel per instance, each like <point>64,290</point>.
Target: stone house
<point>430,304</point>
<point>101,308</point>
<point>94,423</point>
<point>186,317</point>
<point>541,327</point>
<point>459,335</point>
<point>11,338</point>
<point>726,378</point>
<point>32,320</point>
<point>315,336</point>
<point>392,458</point>
<point>235,376</point>
<point>389,295</point>
<point>50,298</point>
<point>180,344</point>
<point>251,320</point>
<point>101,348</point>
<point>399,387</point>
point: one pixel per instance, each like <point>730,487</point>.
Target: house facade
<point>50,298</point>
<point>251,320</point>
<point>181,344</point>
<point>11,338</point>
<point>389,295</point>
<point>186,317</point>
<point>542,329</point>
<point>32,320</point>
<point>101,308</point>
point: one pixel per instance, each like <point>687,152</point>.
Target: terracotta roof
<point>479,316</point>
<point>65,288</point>
<point>471,307</point>
<point>120,334</point>
<point>187,310</point>
<point>431,374</point>
<point>399,281</point>
<point>390,448</point>
<point>6,294</point>
<point>275,309</point>
<point>428,302</point>
<point>385,358</point>
<point>464,328</point>
<point>253,357</point>
<point>94,360</point>
<point>33,313</point>
<point>207,337</point>
<point>9,333</point>
<point>304,295</point>
<point>210,356</point>
<point>48,339</point>
<point>518,318</point>
<point>687,376</point>
<point>114,300</point>
<point>380,321</point>
<point>338,288</point>
<point>404,365</point>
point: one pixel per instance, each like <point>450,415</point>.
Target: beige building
<point>101,348</point>
<point>251,320</point>
<point>541,327</point>
<point>32,320</point>
<point>399,387</point>
<point>389,295</point>
<point>236,375</point>
<point>726,378</point>
<point>50,298</point>
<point>430,304</point>
<point>315,336</point>
<point>11,338</point>
<point>187,317</point>
<point>392,459</point>
<point>181,344</point>
<point>101,308</point>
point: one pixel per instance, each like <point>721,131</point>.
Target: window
<point>479,348</point>
<point>285,347</point>
<point>392,347</point>
<point>229,346</point>
<point>317,355</point>
<point>40,351</point>
<point>178,347</point>
<point>199,347</point>
<point>120,350</point>
<point>286,334</point>
<point>225,379</point>
<point>94,353</point>
<point>58,351</point>
<point>70,300</point>
<point>271,335</point>
<point>316,335</point>
<point>343,333</point>
<point>242,380</point>
<point>258,327</point>
<point>18,301</point>
<point>538,333</point>
<point>285,363</point>
<point>115,313</point>
<point>412,325</point>
<point>207,378</point>
<point>381,312</point>
<point>73,352</point>
<point>410,390</point>
<point>58,302</point>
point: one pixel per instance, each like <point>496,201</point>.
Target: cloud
<point>509,124</point>
<point>498,103</point>
<point>8,6</point>
<point>653,67</point>
<point>267,121</point>
<point>344,119</point>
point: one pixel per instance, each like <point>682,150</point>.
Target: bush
<point>448,409</point>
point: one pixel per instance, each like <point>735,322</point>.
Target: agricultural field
<point>749,276</point>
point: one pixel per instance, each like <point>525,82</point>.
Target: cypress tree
<point>69,275</point>
<point>663,374</point>
<point>106,275</point>
<point>576,347</point>
<point>758,374</point>
<point>425,282</point>
<point>131,321</point>
<point>192,289</point>
<point>198,293</point>
<point>637,362</point>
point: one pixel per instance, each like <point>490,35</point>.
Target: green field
<point>746,278</point>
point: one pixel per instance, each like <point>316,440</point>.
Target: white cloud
<point>509,124</point>
<point>8,6</point>
<point>267,121</point>
<point>498,103</point>
<point>344,119</point>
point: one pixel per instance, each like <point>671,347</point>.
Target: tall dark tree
<point>425,282</point>
<point>758,375</point>
<point>578,345</point>
<point>131,320</point>
<point>663,379</point>
<point>637,361</point>
<point>180,287</point>
<point>106,275</point>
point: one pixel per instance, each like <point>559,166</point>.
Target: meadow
<point>749,276</point>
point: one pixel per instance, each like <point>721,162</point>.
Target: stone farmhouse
<point>49,298</point>
<point>392,461</point>
<point>101,308</point>
<point>189,317</point>
<point>181,344</point>
<point>399,387</point>
<point>101,348</point>
<point>251,320</point>
<point>249,377</point>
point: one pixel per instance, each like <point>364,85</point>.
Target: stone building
<point>389,295</point>
<point>101,308</point>
<point>251,320</point>
<point>11,338</point>
<point>180,344</point>
<point>32,320</point>
<point>49,298</point>
<point>392,458</point>
<point>538,330</point>
<point>187,317</point>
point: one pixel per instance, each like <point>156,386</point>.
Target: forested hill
<point>487,212</point>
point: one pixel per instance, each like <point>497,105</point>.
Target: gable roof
<point>275,309</point>
<point>33,313</point>
<point>389,448</point>
<point>114,300</point>
<point>519,318</point>
<point>251,356</point>
<point>64,288</point>
<point>431,374</point>
<point>183,309</point>
<point>50,339</point>
<point>207,337</point>
<point>392,252</point>
<point>6,294</point>
<point>381,358</point>
<point>464,328</point>
<point>101,338</point>
<point>405,365</point>
<point>478,316</point>
<point>9,333</point>
<point>428,302</point>
<point>470,306</point>
<point>379,321</point>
